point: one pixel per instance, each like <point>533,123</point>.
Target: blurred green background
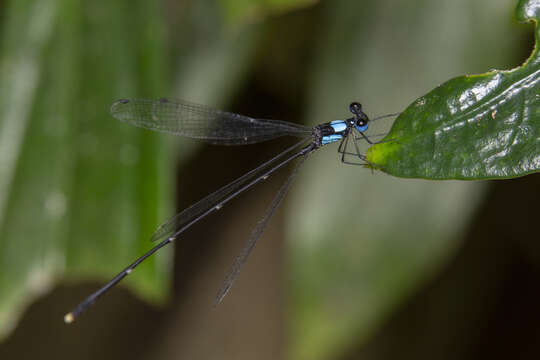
<point>354,265</point>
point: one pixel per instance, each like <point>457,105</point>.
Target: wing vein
<point>196,121</point>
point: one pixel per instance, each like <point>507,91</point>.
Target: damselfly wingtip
<point>117,105</point>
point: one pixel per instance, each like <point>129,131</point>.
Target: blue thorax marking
<point>331,138</point>
<point>338,125</point>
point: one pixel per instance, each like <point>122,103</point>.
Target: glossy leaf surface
<point>471,127</point>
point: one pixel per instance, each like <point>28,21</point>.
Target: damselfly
<point>223,128</point>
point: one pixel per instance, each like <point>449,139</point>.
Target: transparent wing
<point>183,118</point>
<point>256,234</point>
<point>214,200</point>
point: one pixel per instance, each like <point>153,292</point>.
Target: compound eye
<point>362,125</point>
<point>355,108</point>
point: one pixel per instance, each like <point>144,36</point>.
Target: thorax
<point>330,132</point>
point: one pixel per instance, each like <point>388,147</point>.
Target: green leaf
<point>471,127</point>
<point>80,192</point>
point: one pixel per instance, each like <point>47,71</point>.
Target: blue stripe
<point>338,125</point>
<point>331,138</point>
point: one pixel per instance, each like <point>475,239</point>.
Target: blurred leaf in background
<point>80,192</point>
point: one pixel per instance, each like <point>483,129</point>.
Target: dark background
<point>355,265</point>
